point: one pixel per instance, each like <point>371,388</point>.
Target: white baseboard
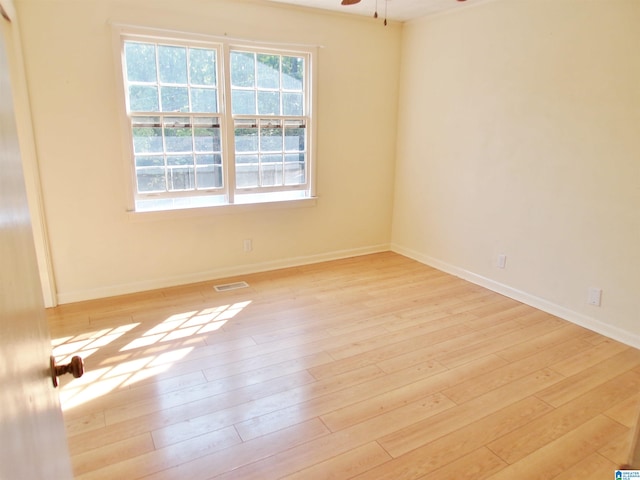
<point>209,275</point>
<point>618,334</point>
<point>585,321</point>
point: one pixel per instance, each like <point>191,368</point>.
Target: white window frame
<point>230,196</point>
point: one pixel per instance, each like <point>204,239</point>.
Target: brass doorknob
<point>75,368</point>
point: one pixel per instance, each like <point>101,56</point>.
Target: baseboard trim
<point>580,319</point>
<point>210,275</point>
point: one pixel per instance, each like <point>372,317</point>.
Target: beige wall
<point>519,135</point>
<point>97,250</point>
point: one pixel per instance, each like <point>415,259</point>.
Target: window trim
<point>224,45</point>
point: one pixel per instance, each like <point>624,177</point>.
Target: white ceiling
<point>400,10</point>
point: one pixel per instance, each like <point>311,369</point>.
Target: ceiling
<point>399,10</point>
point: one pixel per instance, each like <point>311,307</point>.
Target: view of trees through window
<point>177,112</point>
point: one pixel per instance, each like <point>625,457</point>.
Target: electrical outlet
<point>247,245</point>
<point>502,261</point>
<point>595,296</point>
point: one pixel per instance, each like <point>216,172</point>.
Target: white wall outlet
<point>247,245</point>
<point>595,296</point>
<point>502,261</point>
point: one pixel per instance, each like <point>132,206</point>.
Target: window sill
<point>224,209</point>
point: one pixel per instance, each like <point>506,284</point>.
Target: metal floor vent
<point>230,286</point>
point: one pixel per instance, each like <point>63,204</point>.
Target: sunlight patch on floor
<point>130,367</point>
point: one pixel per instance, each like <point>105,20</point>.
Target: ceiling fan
<point>353,2</point>
<point>375,15</point>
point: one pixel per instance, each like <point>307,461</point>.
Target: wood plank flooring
<point>375,367</point>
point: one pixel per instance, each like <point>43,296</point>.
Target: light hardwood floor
<point>375,367</point>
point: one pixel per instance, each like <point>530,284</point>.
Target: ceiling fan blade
<point>349,2</point>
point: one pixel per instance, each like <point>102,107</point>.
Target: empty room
<point>304,239</point>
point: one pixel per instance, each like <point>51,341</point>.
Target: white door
<point>33,443</point>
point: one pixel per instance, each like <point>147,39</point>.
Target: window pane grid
<point>177,154</point>
<point>171,78</point>
<point>173,101</point>
<point>270,152</point>
<point>267,84</point>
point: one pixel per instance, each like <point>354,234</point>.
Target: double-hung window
<point>216,123</point>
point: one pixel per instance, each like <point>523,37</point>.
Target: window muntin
<point>270,152</point>
<point>268,105</point>
<point>267,84</point>
<point>176,153</point>
<point>175,98</point>
<point>170,78</point>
